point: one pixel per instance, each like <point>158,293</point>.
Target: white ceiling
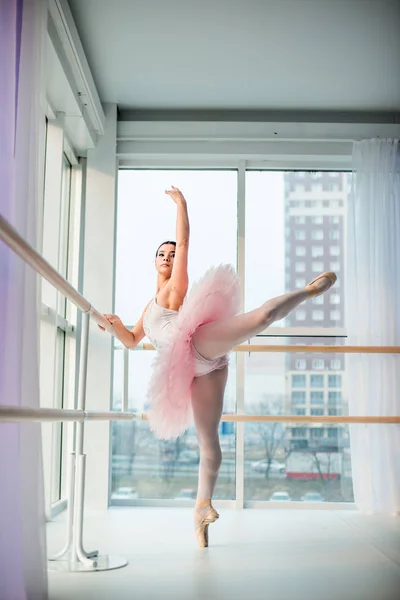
<point>243,54</point>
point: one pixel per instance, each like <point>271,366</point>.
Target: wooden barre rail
<point>305,348</point>
<point>17,413</point>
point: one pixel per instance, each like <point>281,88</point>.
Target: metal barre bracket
<point>77,559</point>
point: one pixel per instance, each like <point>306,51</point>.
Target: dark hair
<point>168,242</point>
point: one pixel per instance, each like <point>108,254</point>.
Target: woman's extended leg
<point>219,337</point>
<point>207,401</point>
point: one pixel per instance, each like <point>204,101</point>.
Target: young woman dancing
<point>192,335</point>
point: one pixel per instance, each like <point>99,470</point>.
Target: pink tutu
<point>215,296</point>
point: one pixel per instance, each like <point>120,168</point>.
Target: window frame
<point>243,167</point>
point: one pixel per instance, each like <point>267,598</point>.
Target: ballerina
<point>193,335</point>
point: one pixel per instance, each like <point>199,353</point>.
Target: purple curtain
<point>22,574</point>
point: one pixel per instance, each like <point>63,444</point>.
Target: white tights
<point>211,341</point>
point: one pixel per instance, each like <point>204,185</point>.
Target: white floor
<point>253,554</point>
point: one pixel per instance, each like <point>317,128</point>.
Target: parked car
<point>186,494</point>
<point>279,497</point>
<point>260,466</point>
<point>313,497</point>
<point>125,493</point>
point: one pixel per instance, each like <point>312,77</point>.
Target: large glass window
<point>57,343</point>
<point>287,237</point>
<point>142,466</point>
<point>317,381</point>
<point>288,227</point>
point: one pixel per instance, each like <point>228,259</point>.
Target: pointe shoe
<point>202,526</point>
<point>318,291</point>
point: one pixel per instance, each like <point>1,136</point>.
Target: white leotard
<point>157,323</point>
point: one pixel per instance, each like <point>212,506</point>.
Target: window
<point>317,187</point>
<point>317,251</point>
<point>278,235</point>
<point>298,381</point>
<point>334,412</point>
<point>160,457</point>
<point>335,364</point>
<point>316,397</point>
<point>317,412</point>
<point>298,397</point>
<point>334,381</point>
<point>335,266</point>
<point>334,397</point>
<point>334,220</point>
<point>317,432</point>
<point>334,251</point>
<point>299,432</point>
<point>333,298</point>
<point>299,411</point>
<point>334,234</point>
<point>332,187</point>
<point>316,381</point>
<point>57,341</point>
<point>317,234</point>
<point>299,187</point>
<point>335,315</point>
<point>317,266</point>
<point>318,315</point>
<point>333,432</point>
<point>318,363</point>
<point>300,267</point>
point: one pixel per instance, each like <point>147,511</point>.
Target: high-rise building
<point>315,204</point>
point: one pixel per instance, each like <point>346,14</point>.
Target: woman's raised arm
<point>179,277</point>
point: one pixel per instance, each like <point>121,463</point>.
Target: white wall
<point>98,289</point>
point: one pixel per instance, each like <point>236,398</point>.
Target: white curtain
<point>373,318</point>
<point>23,570</point>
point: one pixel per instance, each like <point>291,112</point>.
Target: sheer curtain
<point>373,318</point>
<point>23,573</point>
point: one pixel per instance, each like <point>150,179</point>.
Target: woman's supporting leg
<point>219,337</point>
<point>207,401</point>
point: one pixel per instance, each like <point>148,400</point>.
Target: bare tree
<point>273,435</point>
<point>328,463</point>
<point>170,451</point>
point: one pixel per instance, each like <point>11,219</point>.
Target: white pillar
<point>98,281</point>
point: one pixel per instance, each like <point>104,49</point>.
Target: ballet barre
<point>304,348</point>
<point>11,237</point>
<point>19,413</point>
